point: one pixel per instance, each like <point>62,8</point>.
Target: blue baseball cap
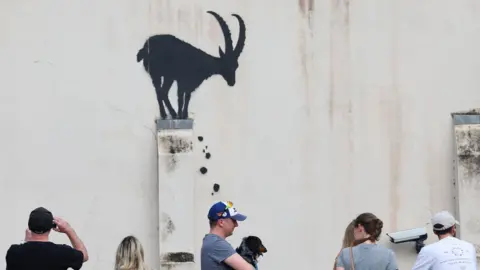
<point>225,210</point>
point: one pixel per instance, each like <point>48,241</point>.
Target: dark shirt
<point>43,256</point>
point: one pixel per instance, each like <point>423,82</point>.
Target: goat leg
<point>158,91</point>
<point>185,106</point>
<point>180,103</point>
<point>171,110</point>
<point>167,84</point>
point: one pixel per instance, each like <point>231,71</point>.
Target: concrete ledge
<point>163,124</point>
<point>463,119</point>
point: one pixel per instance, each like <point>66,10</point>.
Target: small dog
<point>250,249</point>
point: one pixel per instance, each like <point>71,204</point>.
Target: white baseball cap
<point>444,219</point>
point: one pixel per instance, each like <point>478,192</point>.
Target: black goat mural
<point>167,59</point>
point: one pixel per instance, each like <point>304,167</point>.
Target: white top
<point>448,253</point>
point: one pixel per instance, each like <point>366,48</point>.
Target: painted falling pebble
<point>204,170</point>
<point>216,188</point>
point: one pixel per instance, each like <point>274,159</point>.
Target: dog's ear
<point>251,243</point>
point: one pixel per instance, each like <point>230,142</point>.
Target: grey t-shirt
<point>368,257</point>
<point>214,251</point>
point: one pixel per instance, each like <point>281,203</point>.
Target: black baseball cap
<point>40,221</point>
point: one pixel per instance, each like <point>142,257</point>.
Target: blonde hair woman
<point>130,255</point>
<point>348,239</point>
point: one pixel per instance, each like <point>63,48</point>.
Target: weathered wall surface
<point>339,107</point>
<point>466,175</point>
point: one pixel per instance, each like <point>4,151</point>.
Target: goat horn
<point>241,36</point>
<point>226,32</point>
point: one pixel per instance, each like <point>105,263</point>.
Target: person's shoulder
<point>64,247</point>
<point>463,242</point>
<point>467,244</point>
<point>345,251</point>
<point>390,253</point>
<point>212,240</point>
<point>13,249</point>
<point>431,248</point>
<point>14,246</point>
<point>384,248</point>
<point>379,248</point>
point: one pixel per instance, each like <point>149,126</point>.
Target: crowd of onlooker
<point>37,252</point>
<point>360,249</point>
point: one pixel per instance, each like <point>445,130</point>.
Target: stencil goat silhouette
<point>171,59</point>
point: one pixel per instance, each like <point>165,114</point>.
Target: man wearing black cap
<point>39,253</point>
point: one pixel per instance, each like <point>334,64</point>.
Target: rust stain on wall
<point>183,18</point>
<point>395,169</point>
<point>305,58</point>
<point>391,111</point>
<point>307,8</point>
<point>306,32</point>
<point>198,15</point>
<point>344,7</point>
<point>339,53</point>
<point>395,130</point>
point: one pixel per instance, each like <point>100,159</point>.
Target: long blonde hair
<point>130,255</point>
<point>348,237</point>
<point>348,240</point>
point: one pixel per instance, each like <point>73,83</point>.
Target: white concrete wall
<point>332,115</point>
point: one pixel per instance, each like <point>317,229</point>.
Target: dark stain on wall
<point>468,152</point>
<point>203,170</point>
<point>178,257</point>
<point>166,59</point>
<point>200,138</point>
<point>175,145</point>
<point>168,227</point>
<point>208,155</point>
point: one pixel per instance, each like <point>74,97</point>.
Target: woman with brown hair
<point>365,253</point>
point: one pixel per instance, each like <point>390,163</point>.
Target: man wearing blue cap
<point>217,253</point>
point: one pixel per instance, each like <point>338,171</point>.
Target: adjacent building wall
<point>466,131</point>
<point>339,107</point>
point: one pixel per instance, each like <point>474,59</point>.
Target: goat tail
<point>141,54</point>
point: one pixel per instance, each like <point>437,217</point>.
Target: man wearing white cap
<point>216,252</point>
<point>449,252</point>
